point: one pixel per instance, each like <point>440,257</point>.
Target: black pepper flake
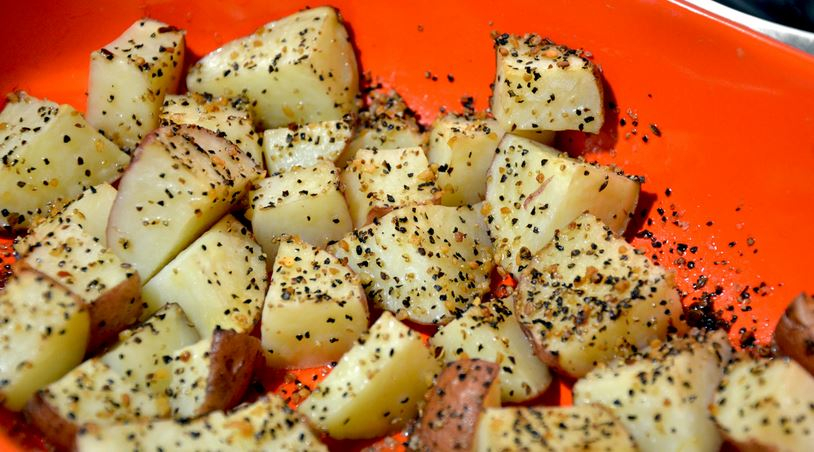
<point>66,139</point>
<point>655,129</point>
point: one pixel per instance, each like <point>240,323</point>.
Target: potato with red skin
<point>462,392</point>
<point>794,334</point>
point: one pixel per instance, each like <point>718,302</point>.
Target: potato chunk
<point>129,78</point>
<point>303,201</point>
<point>182,180</point>
<point>662,395</point>
<point>794,334</point>
<point>315,308</point>
<point>229,118</point>
<point>533,190</point>
<point>454,405</point>
<point>298,69</point>
<point>427,263</point>
<point>48,156</point>
<point>219,280</point>
<point>463,148</point>
<point>766,405</point>
<point>377,182</point>
<point>371,391</point>
<point>44,332</point>
<point>589,297</point>
<point>306,145</point>
<point>490,331</point>
<point>585,428</point>
<point>542,86</point>
<point>267,424</point>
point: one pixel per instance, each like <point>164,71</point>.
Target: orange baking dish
<point>719,119</point>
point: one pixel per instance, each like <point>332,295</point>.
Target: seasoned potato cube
<point>533,190</point>
<point>315,308</point>
<point>303,201</point>
<point>371,391</point>
<point>219,280</point>
<point>129,78</point>
<point>426,263</point>
<point>794,334</point>
<point>489,331</point>
<point>662,395</point>
<point>44,332</point>
<point>463,148</point>
<point>298,69</point>
<point>48,156</point>
<point>542,86</point>
<point>182,180</point>
<point>766,405</point>
<point>306,145</point>
<point>565,429</point>
<point>377,182</point>
<point>454,405</point>
<point>109,288</point>
<point>229,118</point>
<point>589,297</point>
<point>267,424</point>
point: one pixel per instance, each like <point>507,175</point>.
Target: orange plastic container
<point>718,119</point>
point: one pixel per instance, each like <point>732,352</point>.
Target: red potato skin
<point>234,358</point>
<point>794,334</point>
<point>60,432</point>
<point>454,405</point>
<point>113,312</point>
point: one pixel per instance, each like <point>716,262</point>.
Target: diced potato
<point>90,211</point>
<point>766,405</point>
<point>307,202</point>
<point>377,182</point>
<point>559,429</point>
<point>376,387</point>
<point>267,424</point>
<point>306,145</point>
<point>463,148</point>
<point>533,190</point>
<point>454,405</point>
<point>44,332</point>
<point>299,69</point>
<point>315,308</point>
<point>129,78</point>
<point>219,280</point>
<point>387,123</point>
<point>109,288</point>
<point>426,263</point>
<point>182,179</point>
<point>661,396</point>
<point>794,333</point>
<point>490,331</point>
<point>542,86</point>
<point>49,155</point>
<point>589,297</point>
<point>229,118</point>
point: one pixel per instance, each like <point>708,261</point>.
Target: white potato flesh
<point>371,391</point>
<point>425,263</point>
<point>533,190</point>
<point>190,368</point>
<point>267,424</point>
<point>219,280</point>
<point>306,145</point>
<point>589,297</point>
<point>181,181</point>
<point>542,86</point>
<point>489,331</point>
<point>229,118</point>
<point>315,308</point>
<point>44,332</point>
<point>129,78</point>
<point>541,136</point>
<point>463,148</point>
<point>299,69</point>
<point>306,202</point>
<point>49,155</point>
<point>766,405</point>
<point>565,429</point>
<point>377,182</point>
<point>662,396</point>
<point>89,211</point>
